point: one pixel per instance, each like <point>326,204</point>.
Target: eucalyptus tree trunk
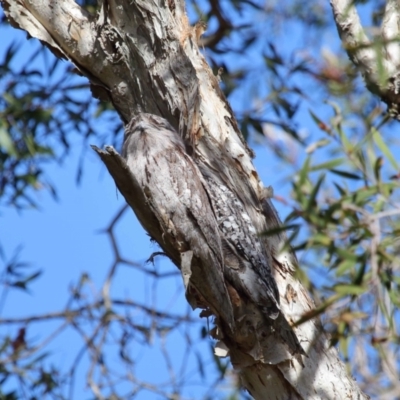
<point>144,57</point>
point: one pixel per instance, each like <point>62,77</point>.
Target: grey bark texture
<point>144,57</point>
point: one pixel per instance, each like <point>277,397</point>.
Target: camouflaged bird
<point>209,216</point>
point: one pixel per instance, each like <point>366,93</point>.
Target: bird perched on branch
<point>174,190</point>
<point>200,214</point>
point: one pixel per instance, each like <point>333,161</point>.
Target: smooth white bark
<point>390,31</point>
<point>377,59</point>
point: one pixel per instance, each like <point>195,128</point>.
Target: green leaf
<point>346,174</point>
<point>280,229</point>
<point>347,255</point>
<point>383,148</point>
<point>342,191</point>
<point>321,239</point>
<point>347,145</point>
<point>328,164</point>
<point>360,274</point>
<point>7,143</point>
<point>363,195</point>
<point>349,289</point>
<point>304,171</point>
<point>22,284</point>
<point>10,52</point>
<point>377,168</point>
<point>30,144</point>
<point>31,179</point>
<point>314,193</point>
<point>316,145</point>
<point>321,125</point>
<point>344,266</point>
<point>316,119</point>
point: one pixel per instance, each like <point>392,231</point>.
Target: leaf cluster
<point>345,224</point>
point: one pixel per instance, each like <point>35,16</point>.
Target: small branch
<point>224,26</point>
<point>378,60</point>
<point>70,314</point>
<point>352,34</point>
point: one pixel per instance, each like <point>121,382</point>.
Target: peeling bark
<point>144,56</point>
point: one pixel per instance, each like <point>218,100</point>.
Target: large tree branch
<point>390,31</point>
<point>378,60</point>
<point>145,57</point>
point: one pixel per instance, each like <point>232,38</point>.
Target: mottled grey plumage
<point>198,213</point>
<point>246,266</point>
<point>174,190</point>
